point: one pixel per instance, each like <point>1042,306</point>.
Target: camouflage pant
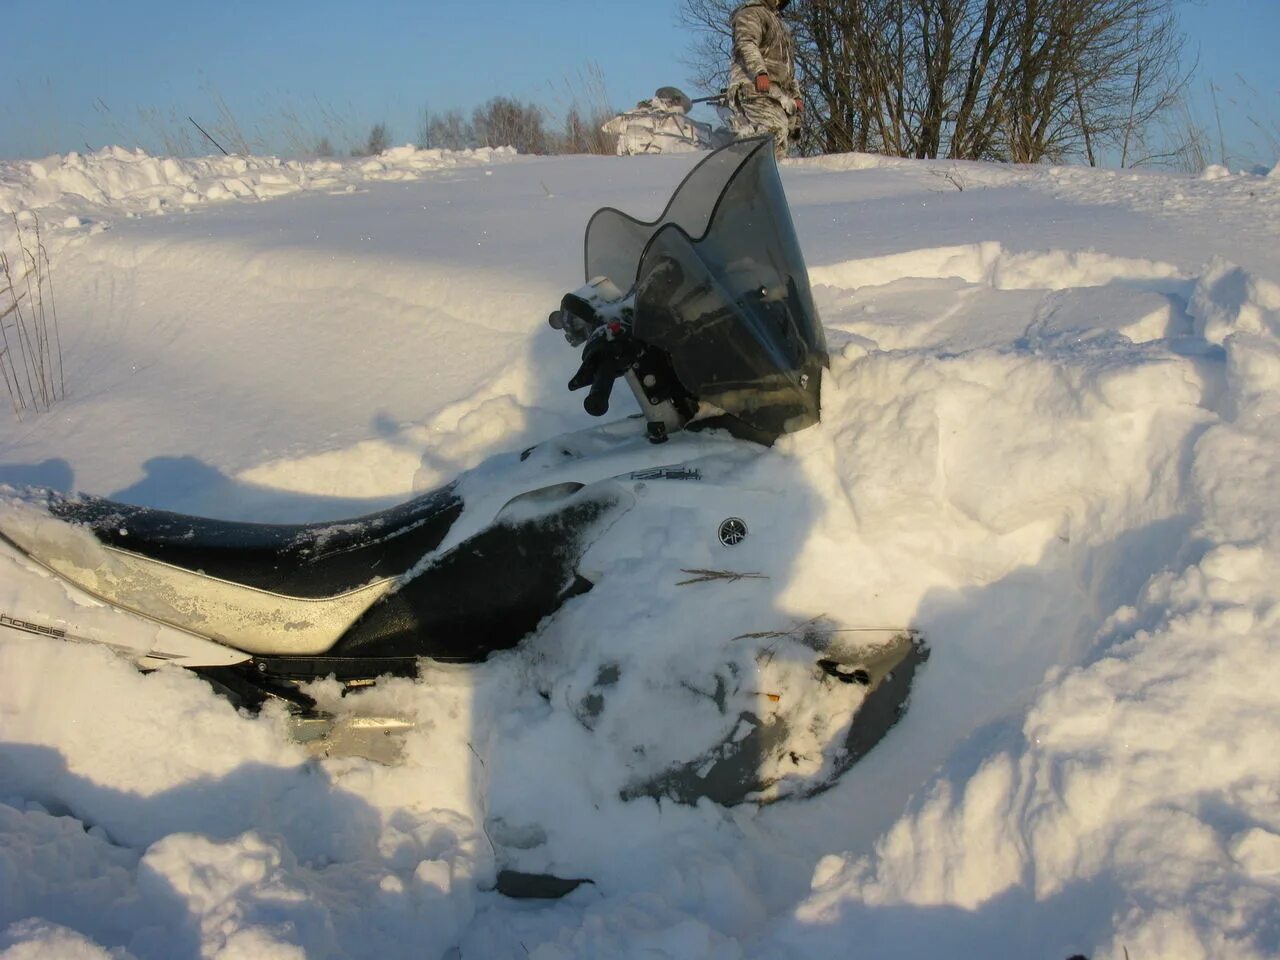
<point>755,115</point>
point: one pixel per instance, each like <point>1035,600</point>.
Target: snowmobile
<point>661,124</point>
<point>707,315</point>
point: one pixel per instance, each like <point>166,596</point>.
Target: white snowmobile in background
<point>662,124</point>
<point>707,315</point>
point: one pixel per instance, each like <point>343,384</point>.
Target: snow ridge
<point>76,191</point>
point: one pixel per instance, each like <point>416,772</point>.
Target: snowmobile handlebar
<point>596,402</point>
<point>608,354</point>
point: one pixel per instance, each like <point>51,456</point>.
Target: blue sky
<point>77,73</point>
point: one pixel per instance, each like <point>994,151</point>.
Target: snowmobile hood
<point>721,287</point>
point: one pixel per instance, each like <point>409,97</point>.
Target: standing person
<point>763,92</point>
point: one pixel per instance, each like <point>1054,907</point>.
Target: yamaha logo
<point>733,531</point>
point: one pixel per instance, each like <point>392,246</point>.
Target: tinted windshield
<point>615,240</point>
<point>722,288</point>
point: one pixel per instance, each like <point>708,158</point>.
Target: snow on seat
<point>264,588</point>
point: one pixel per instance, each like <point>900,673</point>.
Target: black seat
<point>302,560</point>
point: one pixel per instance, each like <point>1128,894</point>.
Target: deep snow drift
<point>1050,441</point>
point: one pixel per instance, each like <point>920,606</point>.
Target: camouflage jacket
<point>762,44</point>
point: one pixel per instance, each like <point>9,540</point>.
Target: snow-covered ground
<point>1050,440</point>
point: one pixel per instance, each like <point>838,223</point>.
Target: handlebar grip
<point>596,402</point>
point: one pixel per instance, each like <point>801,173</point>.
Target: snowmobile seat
<point>312,560</point>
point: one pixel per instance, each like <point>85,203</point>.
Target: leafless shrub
<point>446,131</point>
<point>1186,143</point>
<point>378,140</point>
<point>227,128</point>
<point>1268,129</point>
<point>172,132</point>
<point>586,108</point>
<point>308,127</point>
<point>527,126</point>
<point>1263,145</point>
<point>1187,139</point>
<point>30,338</point>
<point>1019,80</point>
<point>423,140</point>
<point>507,122</point>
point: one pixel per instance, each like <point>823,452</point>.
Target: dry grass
<point>30,338</point>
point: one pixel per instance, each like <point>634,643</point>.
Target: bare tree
<point>584,133</point>
<point>423,140</point>
<point>1020,80</point>
<point>450,131</point>
<point>584,103</point>
<point>1089,72</point>
<point>710,51</point>
<point>379,139</point>
<point>506,122</point>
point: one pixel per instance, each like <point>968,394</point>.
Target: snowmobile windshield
<point>615,240</point>
<point>722,288</point>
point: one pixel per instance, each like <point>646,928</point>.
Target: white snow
<point>115,181</point>
<point>1050,440</point>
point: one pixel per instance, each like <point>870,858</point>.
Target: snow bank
<point>84,190</point>
<point>843,162</point>
<point>991,264</point>
<point>1140,789</point>
<point>225,842</point>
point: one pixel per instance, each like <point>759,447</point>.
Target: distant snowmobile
<point>707,315</point>
<point>662,124</point>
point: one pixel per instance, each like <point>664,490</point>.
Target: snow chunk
<point>1228,299</point>
<point>1258,853</point>
<point>1215,171</point>
<point>1083,314</point>
<point>39,940</point>
<point>227,886</point>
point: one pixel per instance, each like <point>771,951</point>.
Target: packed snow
<point>1050,441</point>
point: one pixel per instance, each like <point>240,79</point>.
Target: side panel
<point>257,621</point>
<point>491,590</point>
